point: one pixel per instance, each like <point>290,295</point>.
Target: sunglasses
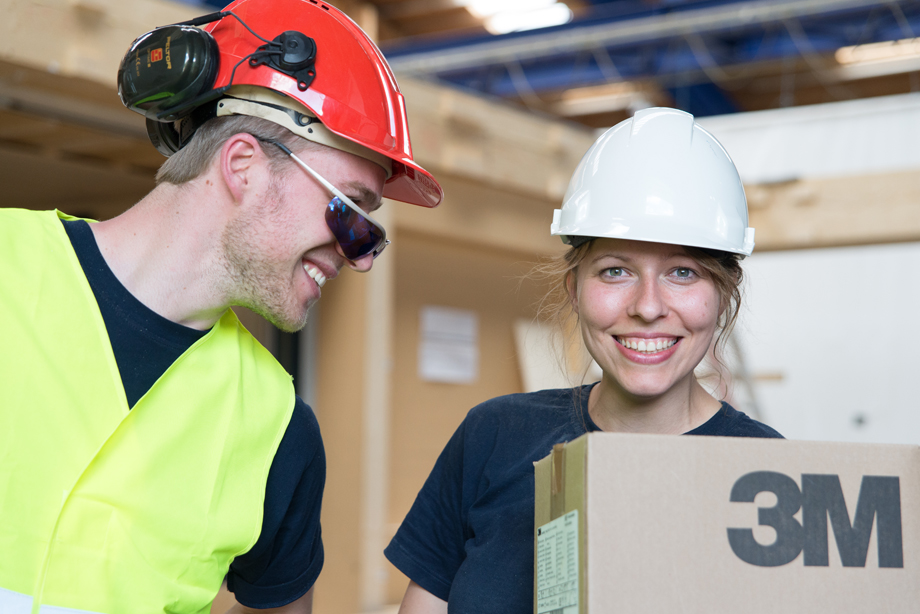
<point>357,233</point>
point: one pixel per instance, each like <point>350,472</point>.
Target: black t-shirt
<point>468,538</point>
<point>288,556</point>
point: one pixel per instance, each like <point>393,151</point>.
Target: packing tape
<point>557,492</point>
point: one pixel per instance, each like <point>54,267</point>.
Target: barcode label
<point>557,566</point>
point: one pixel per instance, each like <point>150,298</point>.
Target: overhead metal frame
<point>687,47</point>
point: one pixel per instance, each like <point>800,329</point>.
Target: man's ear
<point>571,286</point>
<point>242,163</point>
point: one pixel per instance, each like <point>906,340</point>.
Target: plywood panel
<point>881,208</point>
<point>79,187</point>
<point>339,399</point>
<point>432,271</point>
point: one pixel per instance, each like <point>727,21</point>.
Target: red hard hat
<point>353,91</point>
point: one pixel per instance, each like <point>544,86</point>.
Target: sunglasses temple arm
<point>313,173</point>
<point>335,191</point>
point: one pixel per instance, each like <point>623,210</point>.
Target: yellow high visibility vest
<point>108,510</point>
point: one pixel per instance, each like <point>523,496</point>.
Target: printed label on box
<point>557,566</point>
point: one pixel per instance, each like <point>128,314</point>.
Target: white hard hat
<point>657,177</point>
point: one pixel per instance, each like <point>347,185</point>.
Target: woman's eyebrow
<point>600,257</point>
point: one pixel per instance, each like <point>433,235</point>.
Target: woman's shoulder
<point>532,405</point>
<point>729,422</point>
<point>530,416</point>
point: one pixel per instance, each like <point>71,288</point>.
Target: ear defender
<point>168,75</point>
<point>166,69</point>
<point>170,136</point>
<point>163,136</point>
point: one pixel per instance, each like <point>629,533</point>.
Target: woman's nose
<point>648,302</point>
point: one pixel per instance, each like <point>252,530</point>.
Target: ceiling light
<point>878,59</point>
<point>879,52</point>
<point>482,9</point>
<point>607,98</point>
<point>553,15</point>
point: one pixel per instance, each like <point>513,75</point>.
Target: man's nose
<point>361,265</point>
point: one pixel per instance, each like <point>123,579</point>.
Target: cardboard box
<point>666,524</point>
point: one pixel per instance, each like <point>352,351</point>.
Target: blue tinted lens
<point>354,232</point>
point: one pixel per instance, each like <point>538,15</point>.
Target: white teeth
<point>315,275</point>
<point>647,346</point>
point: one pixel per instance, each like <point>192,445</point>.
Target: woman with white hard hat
<point>656,218</point>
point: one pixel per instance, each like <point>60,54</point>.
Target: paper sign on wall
<point>449,345</point>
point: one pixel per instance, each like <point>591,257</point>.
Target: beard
<point>258,282</point>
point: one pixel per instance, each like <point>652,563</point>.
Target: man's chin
<point>289,325</point>
<point>285,322</point>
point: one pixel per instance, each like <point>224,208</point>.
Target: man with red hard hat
<point>151,447</point>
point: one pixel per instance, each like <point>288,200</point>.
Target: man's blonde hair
<point>193,159</point>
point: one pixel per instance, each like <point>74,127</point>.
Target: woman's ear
<point>571,287</point>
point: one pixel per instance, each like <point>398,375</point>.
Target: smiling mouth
<point>315,274</point>
<point>647,346</point>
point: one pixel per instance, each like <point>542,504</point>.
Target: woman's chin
<point>644,388</point>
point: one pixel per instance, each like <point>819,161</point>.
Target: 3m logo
<point>156,55</point>
<point>879,504</point>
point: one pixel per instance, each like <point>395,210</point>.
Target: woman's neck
<point>683,408</point>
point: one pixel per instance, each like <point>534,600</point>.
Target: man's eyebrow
<point>370,200</point>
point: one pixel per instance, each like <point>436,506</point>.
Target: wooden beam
<point>807,213</point>
<point>482,215</point>
<point>492,143</point>
<point>410,9</point>
<point>455,132</point>
<point>882,208</point>
<point>83,38</point>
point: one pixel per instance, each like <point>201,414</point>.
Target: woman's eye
<point>614,272</point>
<point>683,273</point>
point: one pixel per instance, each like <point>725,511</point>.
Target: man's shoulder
<point>304,423</point>
<point>16,222</point>
<point>23,214</point>
<point>302,439</point>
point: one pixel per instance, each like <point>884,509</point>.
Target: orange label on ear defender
<point>156,55</point>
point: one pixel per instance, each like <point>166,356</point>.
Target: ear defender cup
<point>163,136</point>
<point>171,136</point>
<point>167,71</point>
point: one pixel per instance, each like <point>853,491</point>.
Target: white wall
<point>841,327</point>
<point>836,139</point>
